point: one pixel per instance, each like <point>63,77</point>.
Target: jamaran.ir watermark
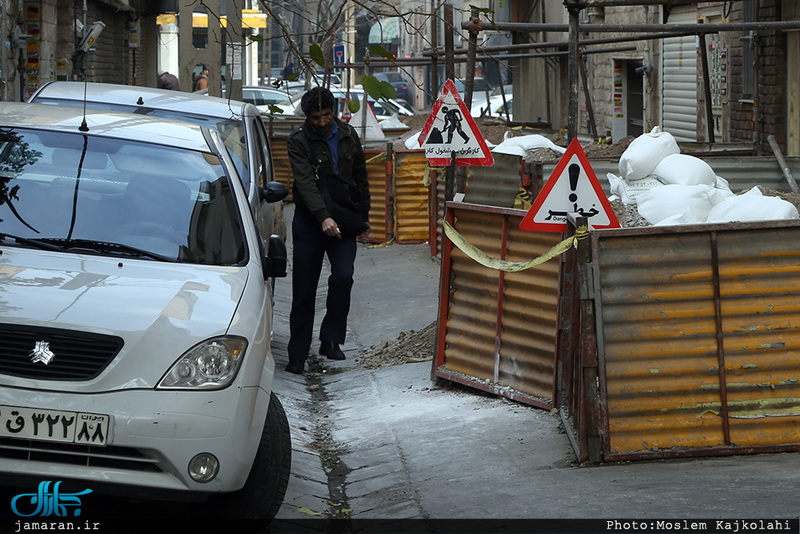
<point>733,526</point>
<point>48,508</point>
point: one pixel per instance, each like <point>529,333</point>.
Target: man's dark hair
<point>317,99</point>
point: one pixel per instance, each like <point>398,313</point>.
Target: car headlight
<point>212,364</point>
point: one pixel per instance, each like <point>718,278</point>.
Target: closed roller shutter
<point>679,79</point>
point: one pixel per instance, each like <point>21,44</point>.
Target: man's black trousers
<point>310,246</point>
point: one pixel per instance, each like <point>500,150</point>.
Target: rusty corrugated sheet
<point>380,217</point>
<point>411,197</point>
<point>499,328</point>
<point>281,164</point>
<point>700,338</point>
<point>760,304</point>
<point>496,185</point>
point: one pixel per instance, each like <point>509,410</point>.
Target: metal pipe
<point>2,51</point>
<point>617,28</point>
<point>473,44</point>
<point>565,44</point>
<point>421,62</point>
<point>618,3</point>
<point>572,113</point>
<point>707,88</point>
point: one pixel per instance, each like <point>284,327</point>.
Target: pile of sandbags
<point>673,188</point>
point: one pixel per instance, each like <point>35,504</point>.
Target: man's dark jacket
<point>352,166</point>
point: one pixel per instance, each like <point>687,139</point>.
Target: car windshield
<point>94,195</point>
<point>231,130</point>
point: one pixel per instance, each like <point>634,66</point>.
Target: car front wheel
<point>262,495</point>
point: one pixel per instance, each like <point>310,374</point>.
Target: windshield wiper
<point>105,246</point>
<point>38,243</point>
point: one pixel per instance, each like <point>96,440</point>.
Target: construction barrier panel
<point>693,335</point>
<point>411,190</point>
<point>496,329</point>
<point>379,171</point>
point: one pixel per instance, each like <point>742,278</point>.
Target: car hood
<point>159,309</point>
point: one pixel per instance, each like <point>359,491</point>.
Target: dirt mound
<point>412,346</point>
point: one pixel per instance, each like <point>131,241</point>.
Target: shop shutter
<point>679,79</point>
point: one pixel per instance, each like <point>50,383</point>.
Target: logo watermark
<point>48,501</point>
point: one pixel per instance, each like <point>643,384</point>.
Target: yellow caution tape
<point>523,199</point>
<point>377,156</point>
<point>512,266</point>
<point>426,180</point>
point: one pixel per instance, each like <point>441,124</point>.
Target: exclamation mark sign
<point>574,174</point>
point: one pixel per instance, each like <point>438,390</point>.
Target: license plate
<point>54,425</point>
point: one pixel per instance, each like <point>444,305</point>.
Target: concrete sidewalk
<point>388,445</point>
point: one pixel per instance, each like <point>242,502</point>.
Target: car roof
<point>132,95</point>
<point>104,123</point>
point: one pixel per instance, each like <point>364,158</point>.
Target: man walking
<point>322,145</point>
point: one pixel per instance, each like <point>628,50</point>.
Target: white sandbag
<point>672,200</point>
<point>645,152</point>
<point>688,216</point>
<point>684,169</point>
<point>752,206</point>
<point>723,185</point>
<point>412,143</point>
<point>526,145</point>
<point>627,191</point>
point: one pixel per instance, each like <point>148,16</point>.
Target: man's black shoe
<point>296,368</point>
<point>331,350</point>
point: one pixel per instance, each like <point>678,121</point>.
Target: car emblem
<point>41,353</point>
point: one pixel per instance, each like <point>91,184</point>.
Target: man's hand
<point>329,227</point>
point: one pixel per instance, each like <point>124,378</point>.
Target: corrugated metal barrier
<point>497,330</point>
<point>698,342</point>
<point>379,171</point>
<point>412,223</point>
<point>497,185</point>
<point>279,131</point>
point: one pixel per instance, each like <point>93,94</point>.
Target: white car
<point>384,108</point>
<point>263,97</point>
<point>135,350</point>
<point>240,124</point>
<point>495,108</point>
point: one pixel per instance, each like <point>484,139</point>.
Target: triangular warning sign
<point>572,188</point>
<point>452,130</point>
<point>366,115</point>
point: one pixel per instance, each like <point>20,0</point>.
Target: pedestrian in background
<point>167,81</point>
<point>202,80</point>
<point>323,144</point>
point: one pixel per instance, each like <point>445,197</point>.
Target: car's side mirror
<point>273,192</point>
<point>275,261</point>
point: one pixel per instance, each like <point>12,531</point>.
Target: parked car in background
<point>239,123</point>
<point>263,97</point>
<point>495,107</point>
<point>136,358</point>
<point>383,108</point>
<point>480,88</point>
<point>399,83</point>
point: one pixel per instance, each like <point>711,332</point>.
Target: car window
<point>264,169</point>
<point>262,97</point>
<point>232,130</point>
<point>178,204</point>
<point>252,96</point>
